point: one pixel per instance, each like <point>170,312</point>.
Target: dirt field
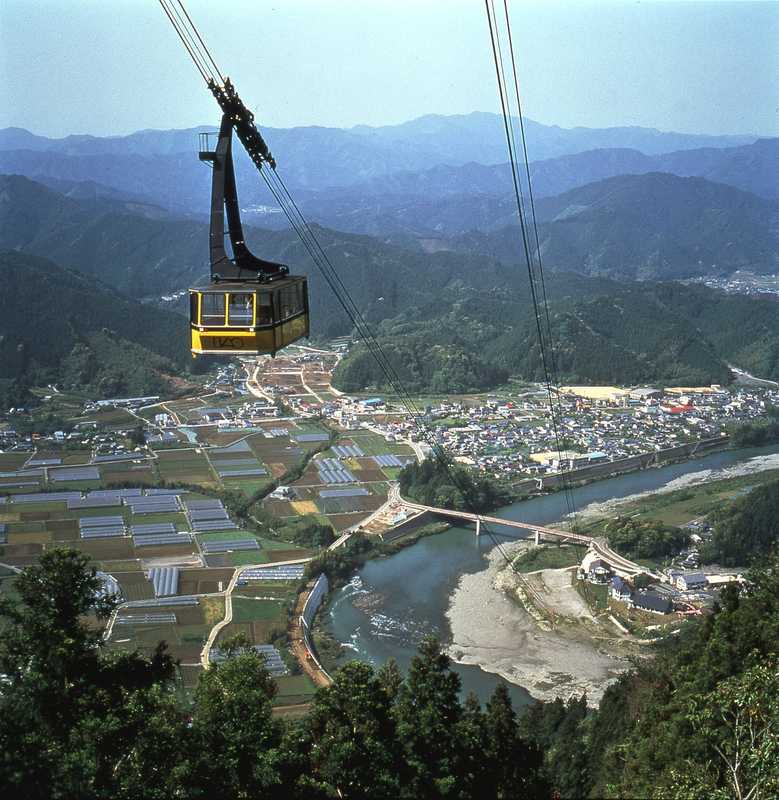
<point>134,585</point>
<point>203,581</point>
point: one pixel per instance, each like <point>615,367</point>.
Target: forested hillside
<point>604,332</point>
<point>747,530</point>
<point>450,321</point>
<point>643,227</point>
<point>58,326</point>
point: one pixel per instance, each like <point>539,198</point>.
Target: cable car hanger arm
<point>244,265</point>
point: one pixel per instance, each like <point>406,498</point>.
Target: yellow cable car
<point>251,306</point>
<point>245,318</point>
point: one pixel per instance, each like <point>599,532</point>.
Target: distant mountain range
<point>162,166</point>
<point>753,167</point>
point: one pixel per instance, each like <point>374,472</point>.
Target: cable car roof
<point>248,286</point>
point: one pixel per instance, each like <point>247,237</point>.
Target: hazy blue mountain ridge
<point>147,162</point>
<point>655,226</point>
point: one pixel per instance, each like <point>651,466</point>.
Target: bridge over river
<point>598,547</point>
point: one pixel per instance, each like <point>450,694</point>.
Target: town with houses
<point>679,590</point>
<point>507,435</point>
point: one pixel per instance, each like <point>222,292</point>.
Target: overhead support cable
<point>194,54</point>
<point>537,282</point>
<point>203,44</point>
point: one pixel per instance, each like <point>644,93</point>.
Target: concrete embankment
<point>607,469</point>
<point>409,526</point>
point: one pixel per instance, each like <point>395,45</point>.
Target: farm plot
<point>239,468</point>
<point>110,549</point>
<point>278,454</point>
<point>259,620</point>
<point>185,466</point>
<point>374,445</point>
<point>77,457</point>
<point>310,477</point>
<point>140,472</point>
<point>10,462</point>
<point>11,487</point>
<point>110,418</point>
<point>279,508</point>
<point>219,437</point>
<point>134,585</point>
<point>184,628</point>
<point>204,580</point>
<point>21,555</point>
<point>353,500</point>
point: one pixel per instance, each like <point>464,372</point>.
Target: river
<point>439,583</point>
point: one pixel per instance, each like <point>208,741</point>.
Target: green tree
<point>428,713</point>
<point>390,678</point>
<point>739,721</point>
<point>75,721</point>
<point>637,538</point>
<point>355,752</point>
<point>514,765</point>
<point>473,765</point>
<point>232,727</point>
<point>137,436</point>
<point>439,482</point>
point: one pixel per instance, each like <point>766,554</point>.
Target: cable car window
<point>290,301</point>
<point>240,309</point>
<point>283,303</point>
<point>264,308</point>
<point>299,305</point>
<point>193,308</point>
<point>212,309</point>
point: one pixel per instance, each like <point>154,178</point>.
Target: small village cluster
<point>679,591</point>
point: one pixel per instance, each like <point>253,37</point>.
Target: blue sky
<point>115,66</point>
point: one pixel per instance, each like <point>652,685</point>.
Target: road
<point>297,644</point>
<point>744,375</point>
